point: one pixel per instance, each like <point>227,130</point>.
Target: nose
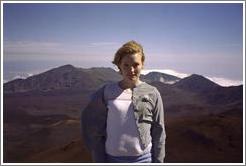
<point>132,69</point>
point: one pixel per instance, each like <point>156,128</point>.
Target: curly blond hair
<point>129,48</point>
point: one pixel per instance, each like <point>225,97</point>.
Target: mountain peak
<point>63,78</point>
<point>196,76</point>
<point>67,67</point>
<point>200,79</point>
<point>61,69</point>
<point>196,83</point>
<point>159,77</point>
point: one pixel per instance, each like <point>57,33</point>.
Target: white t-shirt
<point>122,133</point>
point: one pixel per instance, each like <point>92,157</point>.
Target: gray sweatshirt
<point>149,116</point>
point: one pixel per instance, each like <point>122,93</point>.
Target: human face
<point>130,67</point>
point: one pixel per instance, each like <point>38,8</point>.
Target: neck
<point>125,84</point>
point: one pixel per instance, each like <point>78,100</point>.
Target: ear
<point>119,70</point>
<point>142,65</point>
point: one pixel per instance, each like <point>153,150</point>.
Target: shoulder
<point>111,86</point>
<point>106,87</point>
<point>148,88</point>
<point>111,90</point>
<point>98,93</point>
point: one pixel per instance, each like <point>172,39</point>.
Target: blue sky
<point>206,39</point>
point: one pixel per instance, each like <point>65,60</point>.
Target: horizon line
<point>222,81</point>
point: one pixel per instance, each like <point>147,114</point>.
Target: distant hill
<point>159,77</point>
<point>41,116</point>
<point>69,77</point>
<point>210,91</point>
<point>196,83</point>
<point>64,77</point>
<point>193,90</point>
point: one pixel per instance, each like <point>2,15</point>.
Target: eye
<point>126,65</point>
<point>135,65</point>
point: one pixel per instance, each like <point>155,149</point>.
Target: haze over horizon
<point>218,80</point>
<point>205,39</point>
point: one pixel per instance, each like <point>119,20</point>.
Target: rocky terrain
<point>41,116</point>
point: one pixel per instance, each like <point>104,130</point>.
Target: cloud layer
<point>219,80</point>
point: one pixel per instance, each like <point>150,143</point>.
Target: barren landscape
<point>204,121</point>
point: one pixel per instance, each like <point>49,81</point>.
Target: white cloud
<point>219,80</point>
<point>225,82</point>
<point>166,71</point>
<point>9,76</point>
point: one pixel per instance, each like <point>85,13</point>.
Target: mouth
<point>131,76</point>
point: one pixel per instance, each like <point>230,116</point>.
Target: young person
<point>124,122</point>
